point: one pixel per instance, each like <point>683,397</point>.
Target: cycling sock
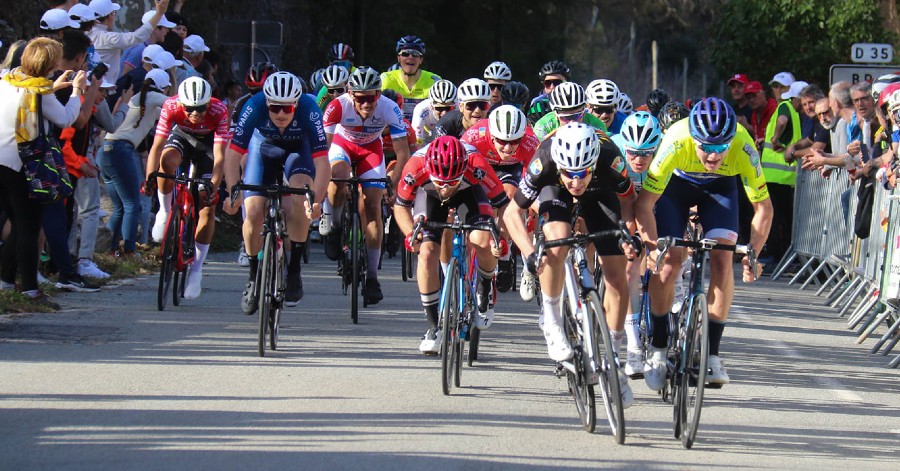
<point>297,249</point>
<point>430,303</point>
<point>372,257</point>
<point>200,257</point>
<point>165,201</point>
<point>254,266</point>
<point>551,309</point>
<point>444,267</point>
<point>616,336</point>
<point>715,336</point>
<point>660,337</point>
<point>632,331</point>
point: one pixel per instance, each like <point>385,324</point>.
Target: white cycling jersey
<point>424,122</point>
<point>342,119</point>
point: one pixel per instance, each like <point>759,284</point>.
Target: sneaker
<point>526,286</point>
<point>431,341</point>
<point>716,374</point>
<point>332,243</point>
<point>192,286</point>
<point>634,364</point>
<point>89,268</point>
<point>41,299</point>
<point>625,389</point>
<point>159,226</point>
<point>485,300</point>
<point>655,370</point>
<point>243,259</point>
<point>504,276</point>
<point>325,224</point>
<point>249,302</point>
<point>557,344</point>
<point>372,292</point>
<point>293,292</point>
<point>75,282</point>
<point>41,279</point>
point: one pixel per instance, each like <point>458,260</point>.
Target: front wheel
<point>694,361</point>
<point>277,294</point>
<point>355,243</point>
<point>579,382</point>
<point>450,327</point>
<point>167,254</point>
<point>606,364</point>
<point>266,287</point>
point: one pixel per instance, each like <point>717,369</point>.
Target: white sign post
<point>868,53</point>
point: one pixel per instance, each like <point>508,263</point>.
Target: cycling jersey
<point>677,155</point>
<point>424,122</point>
<point>387,142</point>
<point>342,119</point>
<point>450,125</point>
<point>478,173</point>
<point>636,177</point>
<point>479,136</point>
<point>393,80</point>
<point>238,107</point>
<point>547,124</point>
<point>214,123</point>
<point>616,126</point>
<point>304,133</point>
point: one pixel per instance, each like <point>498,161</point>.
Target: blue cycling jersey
<point>304,134</point>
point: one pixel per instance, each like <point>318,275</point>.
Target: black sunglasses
<point>604,109</point>
<point>410,54</point>
<point>335,91</point>
<point>552,82</point>
<point>442,109</point>
<point>495,86</point>
<point>193,109</point>
<point>473,105</point>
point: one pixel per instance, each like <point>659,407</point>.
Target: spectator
<point>13,56</point>
<point>180,27</point>
<point>740,99</point>
<point>194,48</point>
<point>134,78</point>
<point>55,21</point>
<point>18,92</point>
<point>109,43</point>
<point>815,136</point>
<point>132,56</point>
<point>863,125</point>
<point>762,109</point>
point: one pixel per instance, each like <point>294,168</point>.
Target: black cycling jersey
<point>450,125</point>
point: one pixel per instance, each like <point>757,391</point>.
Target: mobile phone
<point>99,71</point>
<point>70,76</point>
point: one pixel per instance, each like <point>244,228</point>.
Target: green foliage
<point>762,37</point>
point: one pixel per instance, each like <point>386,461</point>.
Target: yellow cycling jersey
<point>677,155</point>
<point>394,80</point>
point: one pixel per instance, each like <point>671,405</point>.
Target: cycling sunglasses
<point>552,82</point>
<point>495,86</point>
<point>472,105</point>
<point>503,142</point>
<point>573,174</point>
<point>335,91</point>
<point>286,109</point>
<point>603,109</point>
<point>194,109</point>
<point>570,116</point>
<point>415,54</point>
<point>443,109</point>
<point>446,183</point>
<point>640,153</point>
<point>714,148</point>
<point>365,98</point>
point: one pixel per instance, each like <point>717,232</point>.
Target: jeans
<point>56,231</point>
<point>87,217</point>
<point>119,164</point>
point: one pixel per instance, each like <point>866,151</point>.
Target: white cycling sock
<point>632,331</point>
<point>165,201</point>
<point>551,309</point>
<point>616,336</point>
<point>200,256</point>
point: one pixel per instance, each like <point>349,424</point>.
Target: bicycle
<point>595,360</point>
<point>688,352</point>
<point>352,263</point>
<point>458,306</point>
<point>176,251</point>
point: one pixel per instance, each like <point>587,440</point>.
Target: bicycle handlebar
<point>491,227</point>
<point>182,178</point>
<point>272,190</point>
<point>361,180</point>
<point>664,244</point>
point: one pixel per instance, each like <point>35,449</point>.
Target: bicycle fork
<point>575,289</point>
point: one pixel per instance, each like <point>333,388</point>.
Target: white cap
<point>784,78</point>
<point>56,19</point>
<point>165,60</point>
<point>164,22</point>
<point>150,51</point>
<point>82,13</point>
<point>103,84</point>
<point>160,78</point>
<point>794,92</point>
<point>103,7</point>
<point>194,44</point>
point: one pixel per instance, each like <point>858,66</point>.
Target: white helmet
<point>283,87</point>
<point>194,91</point>
<point>474,89</point>
<point>507,123</point>
<point>443,92</point>
<point>335,76</point>
<point>364,79</point>
<point>566,96</point>
<point>498,71</point>
<point>894,100</point>
<point>575,147</point>
<point>602,92</point>
<point>625,104</point>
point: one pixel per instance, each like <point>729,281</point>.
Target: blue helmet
<point>641,131</point>
<point>712,121</point>
<point>410,43</point>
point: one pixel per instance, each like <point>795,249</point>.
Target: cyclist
<point>410,80</point>
<point>341,55</point>
<point>537,110</point>
<point>567,101</point>
<point>552,74</point>
<point>626,106</point>
<point>516,94</point>
<point>255,78</point>
<point>441,100</point>
<point>655,101</point>
<point>695,165</point>
<point>334,84</point>
<point>192,128</point>
<point>279,132</point>
<point>353,125</point>
<point>603,97</point>
<point>497,74</point>
<point>441,177</point>
<point>315,80</point>
<point>576,163</point>
<point>506,141</point>
<point>671,113</point>
<point>473,96</point>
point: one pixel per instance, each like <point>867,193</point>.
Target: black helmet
<point>258,74</point>
<point>554,68</point>
<point>672,112</point>
<point>515,93</point>
<point>656,99</point>
<point>340,52</point>
<point>537,111</point>
<point>410,43</point>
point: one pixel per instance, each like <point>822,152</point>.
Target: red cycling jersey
<point>479,136</point>
<point>216,121</point>
<point>478,172</point>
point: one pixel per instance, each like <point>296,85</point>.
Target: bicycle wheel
<point>694,358</point>
<point>277,293</point>
<point>607,365</point>
<point>355,243</point>
<point>579,384</point>
<point>266,286</point>
<point>474,340</point>
<point>405,262</point>
<point>449,325</point>
<point>167,260</point>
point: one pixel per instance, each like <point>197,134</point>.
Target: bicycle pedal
<point>560,371</point>
<point>714,385</point>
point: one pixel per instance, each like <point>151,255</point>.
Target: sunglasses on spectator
<point>714,148</point>
<point>603,109</point>
<point>335,91</point>
<point>194,109</point>
<point>365,98</point>
<point>552,82</point>
<point>511,143</point>
<point>286,109</point>
<point>643,154</point>
<point>443,108</point>
<point>472,105</point>
<point>446,183</point>
<point>415,54</point>
<point>495,86</point>
<point>573,174</point>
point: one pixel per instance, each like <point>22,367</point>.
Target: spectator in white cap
<point>84,15</point>
<point>134,78</point>
<point>194,48</point>
<point>109,43</point>
<point>780,84</point>
<point>132,56</point>
<point>55,21</point>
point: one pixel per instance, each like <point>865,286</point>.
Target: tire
<point>474,341</point>
<point>277,294</point>
<point>405,263</point>
<point>178,291</point>
<point>266,287</point>
<point>355,244</point>
<point>579,386</point>
<point>694,357</point>
<point>167,260</point>
<point>608,364</point>
<point>449,312</point>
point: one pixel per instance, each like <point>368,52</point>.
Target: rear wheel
<point>449,327</point>
<point>266,286</point>
<point>607,366</point>
<point>167,255</point>
<point>694,363</point>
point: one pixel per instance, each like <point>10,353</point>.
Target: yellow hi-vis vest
<point>774,167</point>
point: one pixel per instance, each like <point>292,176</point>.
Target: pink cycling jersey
<point>215,121</point>
<point>479,136</point>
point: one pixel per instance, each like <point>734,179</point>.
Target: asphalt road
<point>111,383</point>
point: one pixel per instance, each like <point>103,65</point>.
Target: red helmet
<point>258,73</point>
<point>446,159</point>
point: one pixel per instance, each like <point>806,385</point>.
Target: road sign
<point>246,33</point>
<point>858,72</point>
<point>868,53</point>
